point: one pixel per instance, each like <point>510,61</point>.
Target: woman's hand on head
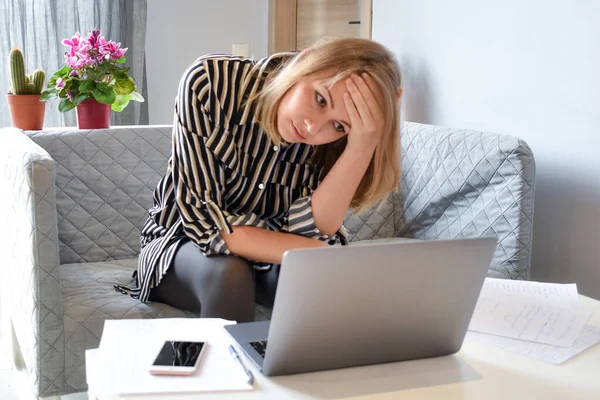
<point>365,113</point>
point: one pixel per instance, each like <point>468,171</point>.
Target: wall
<point>529,69</point>
<point>179,31</point>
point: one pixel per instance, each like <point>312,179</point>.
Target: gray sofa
<point>73,203</point>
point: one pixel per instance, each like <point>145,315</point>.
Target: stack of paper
<point>538,320</point>
<point>128,347</point>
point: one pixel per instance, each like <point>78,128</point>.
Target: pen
<point>237,358</point>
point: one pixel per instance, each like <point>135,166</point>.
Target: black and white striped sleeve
<point>300,221</point>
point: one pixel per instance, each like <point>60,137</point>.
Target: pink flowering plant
<point>94,70</point>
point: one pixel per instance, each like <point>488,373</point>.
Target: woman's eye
<point>338,127</point>
<point>321,100</point>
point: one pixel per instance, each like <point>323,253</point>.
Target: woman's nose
<point>312,126</point>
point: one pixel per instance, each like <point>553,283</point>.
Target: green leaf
<point>61,73</point>
<point>121,60</point>
<point>120,103</point>
<point>71,84</point>
<point>87,86</point>
<point>48,95</point>
<point>95,74</point>
<point>124,86</point>
<point>135,96</point>
<point>121,72</point>
<point>103,87</point>
<point>65,105</point>
<point>64,71</point>
<point>79,98</point>
<point>107,97</point>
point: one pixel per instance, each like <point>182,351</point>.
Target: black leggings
<point>215,287</point>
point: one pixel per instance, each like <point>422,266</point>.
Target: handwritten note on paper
<point>588,337</point>
<point>528,320</point>
<point>532,311</point>
<point>564,295</point>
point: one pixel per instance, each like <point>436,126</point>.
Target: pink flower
<point>74,61</point>
<point>69,94</point>
<point>60,84</point>
<point>71,60</point>
<point>84,48</point>
<point>113,49</point>
<point>91,61</point>
<point>74,41</point>
<point>95,38</point>
<point>119,53</point>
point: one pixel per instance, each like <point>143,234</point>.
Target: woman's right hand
<point>364,111</point>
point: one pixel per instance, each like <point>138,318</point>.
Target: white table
<point>475,372</point>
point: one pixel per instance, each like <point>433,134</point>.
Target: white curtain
<point>39,26</point>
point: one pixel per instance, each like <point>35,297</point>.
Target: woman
<point>268,155</point>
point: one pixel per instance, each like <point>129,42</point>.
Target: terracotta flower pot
<point>26,111</point>
<point>92,114</point>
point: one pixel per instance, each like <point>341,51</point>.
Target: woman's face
<point>312,113</point>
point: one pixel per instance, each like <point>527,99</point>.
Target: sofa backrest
<point>455,183</point>
<point>463,183</point>
<point>104,185</point>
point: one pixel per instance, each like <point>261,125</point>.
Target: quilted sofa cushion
<point>88,300</point>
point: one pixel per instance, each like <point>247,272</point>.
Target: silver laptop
<point>375,303</point>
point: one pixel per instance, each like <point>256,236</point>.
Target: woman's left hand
<point>364,112</point>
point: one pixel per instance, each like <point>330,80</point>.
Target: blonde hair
<point>346,56</point>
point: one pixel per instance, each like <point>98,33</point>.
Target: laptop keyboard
<point>260,346</point>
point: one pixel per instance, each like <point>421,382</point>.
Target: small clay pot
<point>92,114</point>
<point>26,111</point>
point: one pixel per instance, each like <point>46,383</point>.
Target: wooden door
<point>296,24</point>
<point>318,18</point>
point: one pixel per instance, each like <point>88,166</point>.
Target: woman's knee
<point>194,269</point>
<point>229,290</point>
<point>230,274</point>
<point>217,286</point>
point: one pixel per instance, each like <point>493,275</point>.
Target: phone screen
<point>179,354</point>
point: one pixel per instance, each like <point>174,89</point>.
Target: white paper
<point>564,295</point>
<point>533,311</point>
<point>128,348</point>
<point>589,336</point>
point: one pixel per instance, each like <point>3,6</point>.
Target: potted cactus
<point>26,109</point>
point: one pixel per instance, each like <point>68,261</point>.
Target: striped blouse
<point>225,170</point>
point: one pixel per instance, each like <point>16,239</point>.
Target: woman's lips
<point>296,131</point>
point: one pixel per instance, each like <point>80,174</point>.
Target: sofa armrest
<point>465,183</point>
<point>30,264</point>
